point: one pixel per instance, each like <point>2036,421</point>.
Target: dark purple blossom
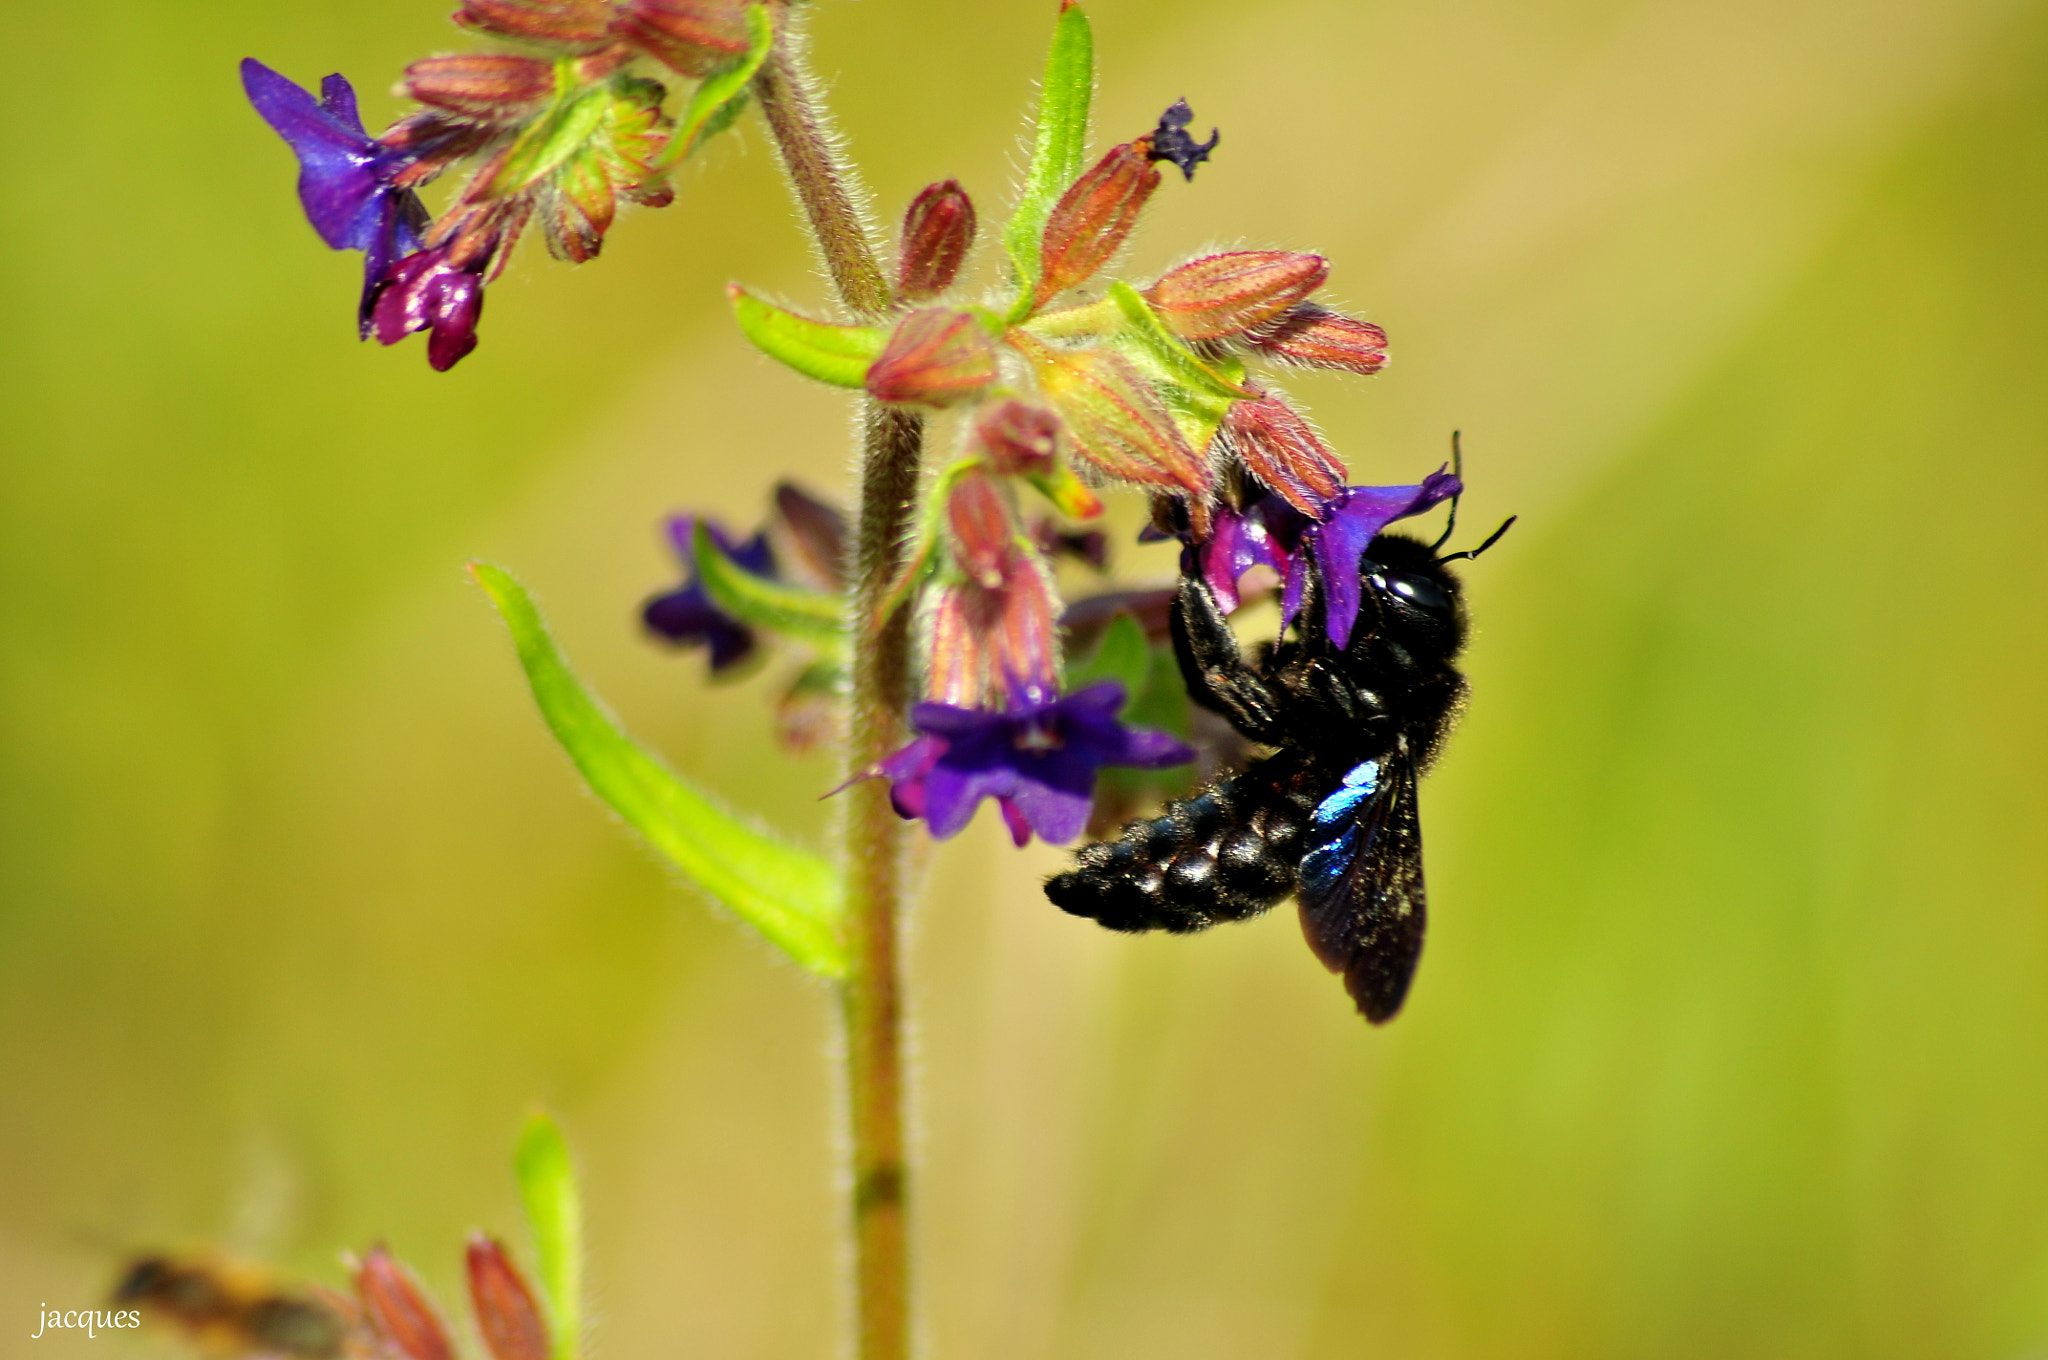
<point>1269,532</point>
<point>346,177</point>
<point>424,292</point>
<point>687,616</point>
<point>1037,759</point>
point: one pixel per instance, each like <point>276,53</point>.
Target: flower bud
<point>1316,337</point>
<point>935,357</point>
<point>938,231</point>
<point>1118,424</point>
<point>491,86</point>
<point>692,36</point>
<point>1283,451</point>
<point>983,531</point>
<point>1226,294</point>
<point>1019,440</point>
<point>817,530</point>
<point>425,292</point>
<point>1091,220</point>
<point>556,23</point>
<point>506,1313</point>
<point>398,1309</point>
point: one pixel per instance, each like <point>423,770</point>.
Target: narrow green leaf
<point>1124,654</point>
<point>811,617</point>
<point>554,1210</point>
<point>1059,143</point>
<point>793,897</point>
<point>723,94</point>
<point>831,353</point>
<point>555,136</point>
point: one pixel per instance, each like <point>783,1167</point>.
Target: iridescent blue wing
<point>1361,884</point>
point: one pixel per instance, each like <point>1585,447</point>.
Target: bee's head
<point>1417,595</point>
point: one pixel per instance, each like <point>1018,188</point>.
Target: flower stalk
<point>871,995</point>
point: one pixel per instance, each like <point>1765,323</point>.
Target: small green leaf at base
<point>554,1210</point>
<point>792,896</point>
<point>811,617</point>
<point>831,353</point>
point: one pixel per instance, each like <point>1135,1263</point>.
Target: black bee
<point>1331,815</point>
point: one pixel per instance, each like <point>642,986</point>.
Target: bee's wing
<point>1361,884</point>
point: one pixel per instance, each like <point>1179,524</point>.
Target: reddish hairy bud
<point>557,23</point>
<point>692,36</point>
<point>983,529</point>
<point>1227,294</point>
<point>993,633</point>
<point>506,1313</point>
<point>816,530</point>
<point>935,357</point>
<point>1117,423</point>
<point>938,231</point>
<point>399,1310</point>
<point>1091,220</point>
<point>1281,449</point>
<point>485,85</point>
<point>1316,337</point>
<point>1019,440</point>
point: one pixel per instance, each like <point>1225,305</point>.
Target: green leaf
<point>554,1210</point>
<point>555,136</point>
<point>1123,655</point>
<point>723,94</point>
<point>808,616</point>
<point>1060,142</point>
<point>831,353</point>
<point>793,897</point>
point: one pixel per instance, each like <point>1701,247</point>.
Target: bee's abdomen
<point>1228,852</point>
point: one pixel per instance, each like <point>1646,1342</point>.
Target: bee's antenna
<point>1492,539</point>
<point>1458,471</point>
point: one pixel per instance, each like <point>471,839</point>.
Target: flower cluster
<point>1149,385</point>
<point>559,133</point>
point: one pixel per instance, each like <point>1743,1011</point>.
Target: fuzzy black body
<point>1331,815</point>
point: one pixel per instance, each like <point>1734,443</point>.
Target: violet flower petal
<point>1355,520</point>
<point>341,170</point>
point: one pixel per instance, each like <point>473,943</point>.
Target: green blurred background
<point>1732,1034</point>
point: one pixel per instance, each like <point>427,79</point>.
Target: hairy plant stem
<point>871,998</point>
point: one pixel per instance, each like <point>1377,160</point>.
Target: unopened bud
<point>485,85</point>
<point>994,635</point>
<point>399,1310</point>
<point>816,530</point>
<point>556,23</point>
<point>983,529</point>
<point>692,36</point>
<point>938,231</point>
<point>506,1312</point>
<point>1220,295</point>
<point>935,357</point>
<point>1316,337</point>
<point>1117,423</point>
<point>1283,451</point>
<point>1019,440</point>
<point>1091,220</point>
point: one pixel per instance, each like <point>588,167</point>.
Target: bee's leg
<point>1214,669</point>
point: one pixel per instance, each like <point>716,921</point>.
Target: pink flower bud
<point>692,36</point>
<point>982,527</point>
<point>1118,424</point>
<point>935,357</point>
<point>486,85</point>
<point>993,633</point>
<point>938,231</point>
<point>1019,440</point>
<point>1091,220</point>
<point>399,1310</point>
<point>1316,337</point>
<point>1227,294</point>
<point>506,1313</point>
<point>556,23</point>
<point>1279,448</point>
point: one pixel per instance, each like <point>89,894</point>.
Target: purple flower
<point>424,292</point>
<point>687,616</point>
<point>1037,760</point>
<point>346,176</point>
<point>1270,532</point>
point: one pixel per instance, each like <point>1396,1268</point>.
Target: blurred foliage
<point>1731,1036</point>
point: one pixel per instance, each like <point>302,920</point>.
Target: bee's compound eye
<point>1419,591</point>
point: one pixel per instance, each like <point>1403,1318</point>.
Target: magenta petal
<point>1013,817</point>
